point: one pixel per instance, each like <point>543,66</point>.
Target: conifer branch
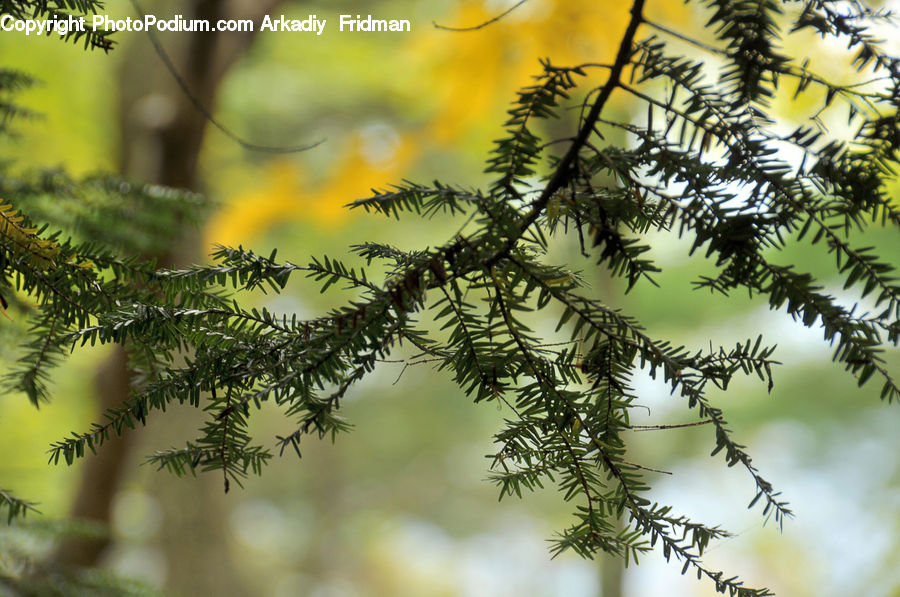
<point>705,165</point>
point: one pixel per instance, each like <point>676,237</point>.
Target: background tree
<point>161,132</point>
<point>491,349</point>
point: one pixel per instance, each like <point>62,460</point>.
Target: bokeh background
<point>400,506</point>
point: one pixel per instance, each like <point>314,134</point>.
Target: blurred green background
<point>400,506</point>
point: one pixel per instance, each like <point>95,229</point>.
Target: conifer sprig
<point>708,163</point>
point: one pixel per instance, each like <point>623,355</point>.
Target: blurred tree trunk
<point>612,575</point>
<point>161,135</point>
<point>102,471</point>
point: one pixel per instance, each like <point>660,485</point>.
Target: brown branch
<point>563,171</point>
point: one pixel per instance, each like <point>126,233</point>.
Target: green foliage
<point>14,506</point>
<point>11,82</point>
<point>707,163</point>
<point>24,569</point>
<point>57,287</point>
<point>62,10</point>
<point>72,282</point>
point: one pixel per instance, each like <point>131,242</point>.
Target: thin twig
<point>200,107</point>
<point>484,24</point>
<point>680,426</point>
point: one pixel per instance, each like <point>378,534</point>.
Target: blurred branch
<point>484,24</point>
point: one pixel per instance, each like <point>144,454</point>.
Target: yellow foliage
<point>285,196</point>
<point>471,78</point>
<point>476,73</point>
<point>25,240</point>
